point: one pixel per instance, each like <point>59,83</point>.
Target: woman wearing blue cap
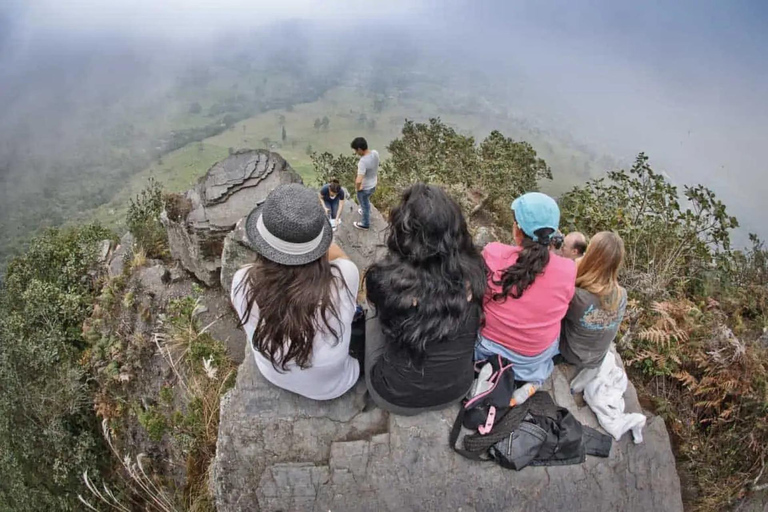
<point>529,289</point>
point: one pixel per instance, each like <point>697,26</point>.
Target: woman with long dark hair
<point>529,289</point>
<point>426,297</point>
<point>296,303</point>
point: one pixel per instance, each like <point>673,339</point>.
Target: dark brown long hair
<point>288,298</point>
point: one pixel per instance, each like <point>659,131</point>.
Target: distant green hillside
<point>351,113</point>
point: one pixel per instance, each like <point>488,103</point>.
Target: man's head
<point>360,145</point>
<point>574,245</point>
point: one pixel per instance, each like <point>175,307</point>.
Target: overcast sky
<point>683,80</point>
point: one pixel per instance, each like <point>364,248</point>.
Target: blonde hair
<point>598,270</point>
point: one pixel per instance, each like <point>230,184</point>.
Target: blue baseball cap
<point>534,211</point>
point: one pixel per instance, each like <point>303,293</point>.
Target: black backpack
<point>536,432</point>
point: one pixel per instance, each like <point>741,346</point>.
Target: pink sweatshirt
<point>530,324</point>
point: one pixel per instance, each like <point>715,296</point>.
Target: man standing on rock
<point>367,179</point>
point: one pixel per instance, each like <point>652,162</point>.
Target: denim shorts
<point>535,369</point>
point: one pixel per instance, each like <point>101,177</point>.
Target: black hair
<point>334,186</point>
<point>432,280</point>
<point>531,261</point>
<point>359,143</point>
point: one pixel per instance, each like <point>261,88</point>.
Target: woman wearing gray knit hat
<point>296,303</point>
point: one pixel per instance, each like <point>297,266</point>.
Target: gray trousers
<point>374,348</point>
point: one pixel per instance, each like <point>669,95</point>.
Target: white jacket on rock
<point>604,389</point>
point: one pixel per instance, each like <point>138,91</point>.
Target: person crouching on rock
<point>297,301</point>
<point>598,306</point>
<point>332,198</point>
<point>529,289</point>
<point>425,298</point>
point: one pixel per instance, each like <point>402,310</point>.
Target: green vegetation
<point>670,248</point>
<point>45,405</point>
<point>179,417</point>
<point>694,334</point>
<point>481,177</point>
<point>143,219</point>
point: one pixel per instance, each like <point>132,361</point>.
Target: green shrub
<point>484,177</point>
<point>669,247</point>
<point>342,167</point>
<point>154,422</point>
<point>143,220</point>
<point>48,432</point>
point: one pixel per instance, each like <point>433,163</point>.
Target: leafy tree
<point>507,169</point>
<point>284,135</point>
<point>195,108</point>
<point>308,150</point>
<point>482,178</point>
<point>667,243</point>
<point>48,432</point>
<point>265,141</point>
<point>281,119</point>
<point>318,124</point>
<point>325,122</point>
<point>343,167</point>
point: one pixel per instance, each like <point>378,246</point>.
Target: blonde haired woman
<point>598,306</point>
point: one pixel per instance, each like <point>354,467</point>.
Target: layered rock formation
<point>199,222</point>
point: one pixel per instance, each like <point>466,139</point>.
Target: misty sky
<point>684,81</point>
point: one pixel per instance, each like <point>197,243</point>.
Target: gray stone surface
<point>117,259</point>
<point>278,451</point>
<point>235,254</point>
<point>103,251</point>
<point>228,191</point>
<point>362,247</point>
<point>483,236</point>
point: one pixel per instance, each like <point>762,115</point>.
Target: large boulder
<point>278,451</point>
<point>362,247</point>
<point>198,222</point>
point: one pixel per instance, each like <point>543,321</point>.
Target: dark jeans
<point>364,198</point>
<point>333,207</point>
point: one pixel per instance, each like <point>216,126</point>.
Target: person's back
<point>427,300</point>
<point>530,323</point>
<point>366,180</point>
<point>529,289</point>
<point>598,306</point>
<point>295,306</point>
<point>369,164</point>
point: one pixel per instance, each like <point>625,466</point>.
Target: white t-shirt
<point>332,370</point>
